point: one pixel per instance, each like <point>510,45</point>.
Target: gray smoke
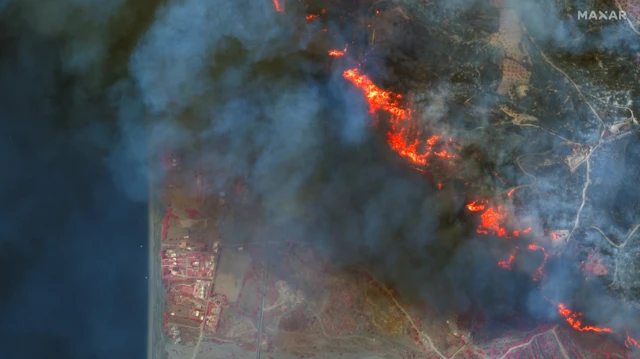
<point>256,90</point>
<point>305,144</point>
<point>324,176</point>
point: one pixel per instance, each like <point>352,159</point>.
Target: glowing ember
<point>475,206</point>
<point>507,264</point>
<point>443,154</point>
<point>336,53</point>
<point>312,17</point>
<point>539,274</point>
<point>432,141</point>
<point>276,4</point>
<point>491,221</point>
<point>632,341</point>
<point>517,233</point>
<point>573,318</point>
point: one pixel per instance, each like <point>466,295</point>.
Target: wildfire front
<point>407,178</point>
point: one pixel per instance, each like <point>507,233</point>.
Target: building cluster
<point>189,256</point>
<point>188,271</point>
<point>184,262</point>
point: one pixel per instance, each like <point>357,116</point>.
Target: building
<point>214,309</point>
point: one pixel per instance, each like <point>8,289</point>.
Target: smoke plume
<point>254,87</point>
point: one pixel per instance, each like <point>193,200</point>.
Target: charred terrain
<point>393,179</point>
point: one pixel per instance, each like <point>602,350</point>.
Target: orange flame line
<point>539,274</point>
<point>398,139</point>
<point>403,137</point>
<point>573,320</point>
<point>276,4</point>
<point>507,264</point>
<point>475,206</point>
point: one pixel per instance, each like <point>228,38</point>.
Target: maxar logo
<point>602,15</point>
